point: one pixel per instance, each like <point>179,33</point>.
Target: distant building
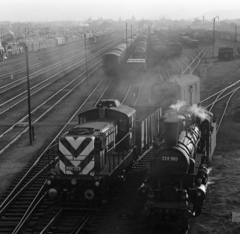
<point>106,26</point>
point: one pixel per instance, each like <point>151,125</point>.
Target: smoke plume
<point>178,105</point>
<point>199,111</point>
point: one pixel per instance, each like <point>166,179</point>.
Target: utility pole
<point>86,60</point>
<point>2,33</point>
<point>131,34</point>
<point>126,35</point>
<point>214,31</point>
<point>235,41</point>
<point>236,38</point>
<point>28,93</point>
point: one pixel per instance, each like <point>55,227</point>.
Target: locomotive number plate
<point>70,168</point>
<point>169,158</point>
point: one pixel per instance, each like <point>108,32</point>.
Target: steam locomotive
<point>99,151</point>
<point>175,185</point>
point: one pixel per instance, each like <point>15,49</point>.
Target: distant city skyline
<point>79,10</point>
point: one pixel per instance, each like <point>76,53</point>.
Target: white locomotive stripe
<point>68,155</point>
<point>76,161</point>
<point>62,167</point>
<point>89,148</point>
<point>75,143</point>
<point>88,168</point>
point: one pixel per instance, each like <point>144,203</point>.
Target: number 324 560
<point>169,158</point>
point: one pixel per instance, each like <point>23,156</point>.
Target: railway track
<point>41,106</point>
<point>30,188</point>
<point>164,74</point>
<point>223,96</point>
<point>62,64</point>
<point>43,58</point>
<point>30,223</point>
<point>34,56</point>
<point>16,68</point>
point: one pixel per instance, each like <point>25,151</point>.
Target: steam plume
<point>199,111</point>
<point>178,105</point>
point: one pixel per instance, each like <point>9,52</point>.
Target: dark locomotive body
<point>175,48</point>
<point>113,59</point>
<point>99,151</point>
<point>176,181</point>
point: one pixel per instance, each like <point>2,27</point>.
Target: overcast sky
<point>50,10</point>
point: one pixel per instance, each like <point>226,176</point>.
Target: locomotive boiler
<point>176,182</point>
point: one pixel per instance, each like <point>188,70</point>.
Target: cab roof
<point>185,80</point>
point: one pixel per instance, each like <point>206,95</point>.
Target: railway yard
<point>61,88</point>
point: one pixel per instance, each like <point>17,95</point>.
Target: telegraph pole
<point>86,60</point>
<point>214,32</point>
<point>235,41</point>
<point>131,34</point>
<point>2,33</point>
<point>28,93</point>
<point>126,35</point>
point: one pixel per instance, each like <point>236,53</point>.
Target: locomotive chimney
<point>171,131</point>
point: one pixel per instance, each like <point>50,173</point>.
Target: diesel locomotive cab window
<point>82,120</point>
<point>123,124</point>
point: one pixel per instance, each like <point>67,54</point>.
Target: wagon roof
<point>185,80</point>
<point>115,52</point>
<point>142,112</point>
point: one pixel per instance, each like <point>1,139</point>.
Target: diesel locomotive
<point>175,185</point>
<point>99,151</point>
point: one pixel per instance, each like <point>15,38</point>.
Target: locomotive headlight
<point>92,173</point>
<point>199,194</point>
<point>97,183</point>
<point>73,181</point>
<point>52,193</point>
<point>49,182</point>
<point>89,194</point>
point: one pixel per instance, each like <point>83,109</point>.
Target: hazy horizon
<point>79,10</point>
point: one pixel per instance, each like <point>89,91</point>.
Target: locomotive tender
<point>100,149</point>
<point>176,180</point>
